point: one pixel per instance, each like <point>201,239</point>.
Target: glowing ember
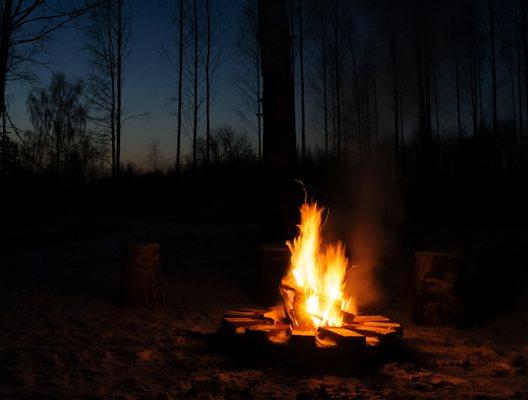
<point>313,288</point>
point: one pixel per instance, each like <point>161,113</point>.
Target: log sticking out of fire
<point>294,303</point>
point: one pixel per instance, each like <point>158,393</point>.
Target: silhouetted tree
<point>58,116</point>
<point>154,155</point>
<point>107,42</point>
<point>247,75</point>
<point>226,148</point>
<point>24,25</point>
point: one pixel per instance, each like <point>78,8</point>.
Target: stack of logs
<point>272,326</point>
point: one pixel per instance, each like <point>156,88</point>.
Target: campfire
<point>312,291</point>
<point>316,310</point>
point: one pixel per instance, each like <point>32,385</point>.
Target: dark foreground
<point>63,335</point>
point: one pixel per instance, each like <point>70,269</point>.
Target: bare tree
<point>120,47</point>
<point>154,155</point>
<point>247,76</point>
<point>178,18</point>
<point>493,66</point>
<point>108,36</point>
<point>213,18</point>
<point>195,79</point>
<point>180,83</point>
<point>58,116</point>
<point>337,77</point>
<point>24,25</point>
<point>301,76</point>
<point>324,76</point>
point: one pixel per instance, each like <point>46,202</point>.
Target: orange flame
<point>318,271</point>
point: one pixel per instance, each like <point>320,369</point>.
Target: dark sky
<point>149,80</point>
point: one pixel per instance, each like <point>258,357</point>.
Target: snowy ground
<point>63,335</point>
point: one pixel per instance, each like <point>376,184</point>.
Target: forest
<point>431,93</point>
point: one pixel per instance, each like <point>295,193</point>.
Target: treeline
<point>439,87</point>
<point>77,124</point>
<point>435,84</point>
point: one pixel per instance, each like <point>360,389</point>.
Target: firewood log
<point>369,318</point>
<point>344,338</point>
<point>140,277</point>
<point>386,325</point>
<point>302,339</point>
<point>274,261</point>
<point>260,333</point>
<point>386,336</point>
<point>437,277</point>
<point>238,325</point>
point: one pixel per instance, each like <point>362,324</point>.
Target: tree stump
<point>274,261</point>
<point>437,299</point>
<point>140,280</point>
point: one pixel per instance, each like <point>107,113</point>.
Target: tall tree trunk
<point>301,65</point>
<point>113,124</point>
<point>279,150</point>
<point>473,89</point>
<point>437,112</point>
<point>5,39</point>
<point>337,78</point>
<point>180,88</point>
<point>493,67</point>
<point>519,84</point>
<point>367,123</point>
<point>113,100</point>
<point>376,123</point>
<point>395,87</point>
<point>208,82</point>
<point>402,114</point>
<point>119,83</point>
<point>4,143</point>
<point>334,111</point>
<point>292,49</point>
<point>259,108</point>
<point>513,95</point>
<point>325,99</point>
<point>279,135</point>
<point>479,84</point>
<point>524,34</point>
<point>358,103</point>
<point>195,84</point>
<point>457,77</point>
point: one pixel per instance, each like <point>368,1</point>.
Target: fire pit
<point>316,310</point>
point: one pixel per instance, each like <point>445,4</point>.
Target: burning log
<point>348,318</point>
<point>140,282</point>
<point>276,314</point>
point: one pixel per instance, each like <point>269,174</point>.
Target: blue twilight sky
<point>149,79</point>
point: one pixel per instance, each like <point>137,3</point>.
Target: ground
<point>63,333</point>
